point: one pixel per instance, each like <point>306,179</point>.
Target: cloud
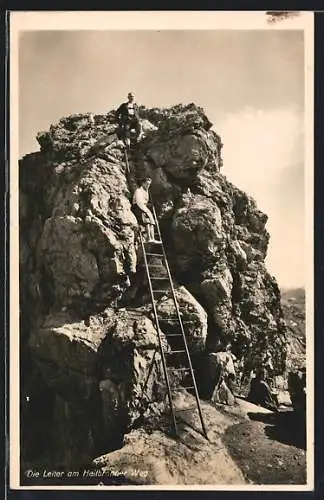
<point>259,144</point>
<point>263,155</point>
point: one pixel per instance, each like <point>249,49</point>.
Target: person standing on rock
<point>223,376</point>
<point>128,118</point>
<point>143,214</point>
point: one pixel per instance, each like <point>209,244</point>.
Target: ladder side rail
<point>180,322</point>
<point>164,364</point>
<point>127,162</point>
<point>171,283</point>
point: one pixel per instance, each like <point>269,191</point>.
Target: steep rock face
<point>104,373</point>
<point>217,241</point>
<point>85,239</point>
<point>78,244</point>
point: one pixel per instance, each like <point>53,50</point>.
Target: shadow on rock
<point>288,427</point>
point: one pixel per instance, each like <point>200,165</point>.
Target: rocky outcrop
<point>193,317</point>
<point>293,305</point>
<point>106,371</point>
<point>151,456</point>
<point>79,246</point>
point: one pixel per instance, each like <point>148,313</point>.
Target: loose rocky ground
<point>247,444</point>
<point>269,448</point>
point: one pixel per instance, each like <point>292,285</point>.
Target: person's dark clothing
<point>128,117</point>
<point>142,217</point>
<point>296,388</point>
<point>260,394</point>
<point>123,112</point>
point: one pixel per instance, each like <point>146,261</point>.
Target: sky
<point>250,84</point>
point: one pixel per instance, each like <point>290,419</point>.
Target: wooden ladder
<point>180,352</point>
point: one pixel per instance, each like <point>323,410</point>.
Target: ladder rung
<point>192,408</point>
<point>173,335</point>
<point>176,319</point>
<point>172,318</point>
<point>182,388</point>
<point>155,254</point>
<point>178,369</point>
<point>160,291</point>
<point>175,352</point>
<point>159,278</point>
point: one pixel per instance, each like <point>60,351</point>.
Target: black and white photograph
<point>161,238</point>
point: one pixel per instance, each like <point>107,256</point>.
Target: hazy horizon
<point>250,84</point>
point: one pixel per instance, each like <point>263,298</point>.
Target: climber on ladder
<point>143,214</point>
<point>128,119</point>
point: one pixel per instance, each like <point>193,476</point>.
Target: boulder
<point>108,366</point>
<point>193,317</point>
<point>197,233</point>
